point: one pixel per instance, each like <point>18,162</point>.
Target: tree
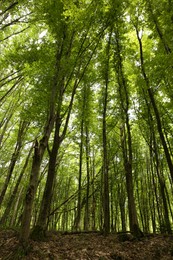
<point>86,116</point>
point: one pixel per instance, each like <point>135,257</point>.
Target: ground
<point>89,246</point>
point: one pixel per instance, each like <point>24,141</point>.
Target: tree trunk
<point>126,139</point>
<point>16,216</point>
<point>77,224</point>
<point>158,29</point>
<point>39,150</point>
<point>4,123</point>
<point>86,220</point>
<point>15,155</point>
<point>40,228</point>
<point>5,216</point>
<point>26,218</point>
<point>155,109</point>
<point>93,207</point>
<point>162,188</point>
<point>133,221</point>
<point>106,207</point>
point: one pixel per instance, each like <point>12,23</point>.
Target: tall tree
<point>106,206</point>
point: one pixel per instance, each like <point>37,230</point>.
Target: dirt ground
<point>89,246</point>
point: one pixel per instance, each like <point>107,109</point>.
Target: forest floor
<point>86,246</point>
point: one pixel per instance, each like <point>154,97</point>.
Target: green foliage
<point>63,44</point>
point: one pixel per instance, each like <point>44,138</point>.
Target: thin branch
<point>9,7</point>
<point>16,33</point>
<point>14,85</point>
<point>17,20</point>
<point>8,81</point>
<point>10,75</point>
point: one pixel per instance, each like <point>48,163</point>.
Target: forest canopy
<point>86,121</point>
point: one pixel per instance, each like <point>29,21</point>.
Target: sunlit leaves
<point>63,42</point>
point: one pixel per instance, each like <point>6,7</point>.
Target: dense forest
<point>86,121</point>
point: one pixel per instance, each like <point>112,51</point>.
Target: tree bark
<point>106,199</point>
<point>77,224</point>
<point>22,128</point>
<point>39,150</point>
<point>158,29</point>
<point>6,214</point>
<point>155,109</point>
<point>87,213</point>
<point>126,139</point>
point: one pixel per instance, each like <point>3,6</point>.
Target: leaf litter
<point>89,246</point>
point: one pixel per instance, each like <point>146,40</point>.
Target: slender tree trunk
<point>86,220</point>
<point>152,202</point>
<point>93,207</point>
<point>15,219</point>
<point>126,139</point>
<point>78,217</point>
<point>39,150</point>
<point>162,188</point>
<point>26,218</point>
<point>158,29</point>
<point>5,216</point>
<point>22,128</point>
<point>134,228</point>
<point>40,228</point>
<point>155,109</point>
<point>154,184</point>
<point>122,211</point>
<point>106,177</point>
<point>106,207</point>
<point>47,196</point>
<point>5,125</point>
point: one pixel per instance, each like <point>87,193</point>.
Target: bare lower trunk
<point>48,192</point>
<point>126,139</point>
<point>86,220</point>
<point>15,191</point>
<point>155,108</point>
<point>39,150</point>
<point>30,195</point>
<point>15,156</point>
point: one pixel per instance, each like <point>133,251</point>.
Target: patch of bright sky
<point>132,110</point>
<point>42,34</point>
<point>96,87</point>
<point>164,99</point>
<point>140,34</point>
<point>128,18</point>
<point>132,114</point>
